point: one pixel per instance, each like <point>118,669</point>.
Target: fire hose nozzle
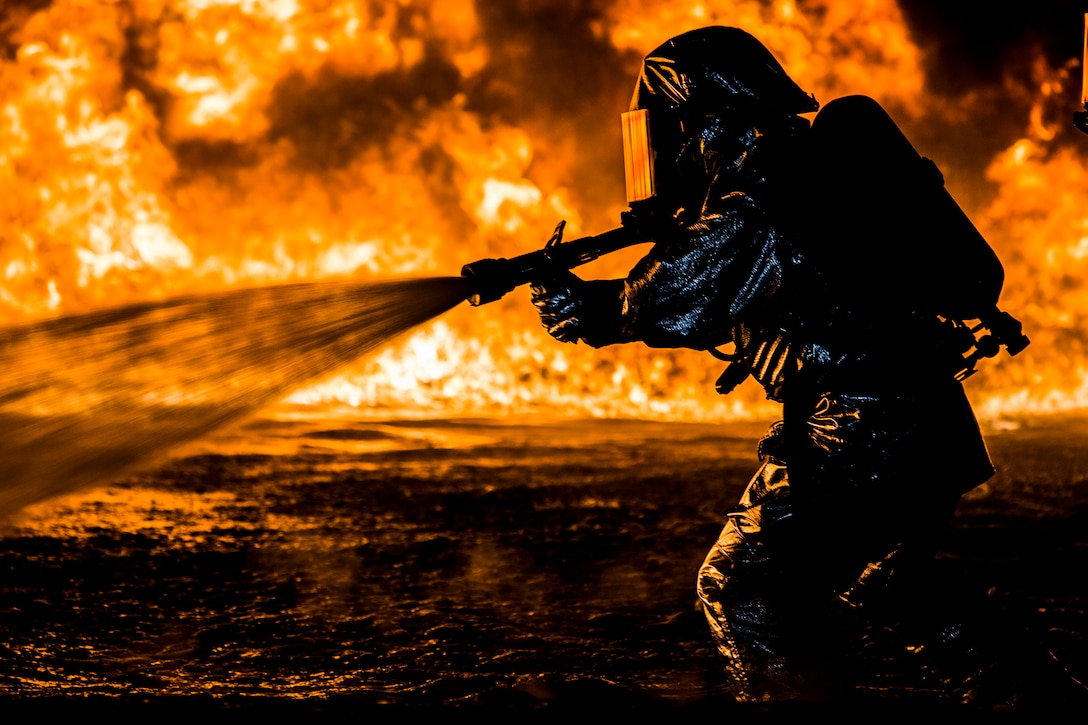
<point>492,278</point>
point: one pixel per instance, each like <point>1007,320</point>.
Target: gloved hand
<point>558,298</point>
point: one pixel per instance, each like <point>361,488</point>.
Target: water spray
<point>88,398</point>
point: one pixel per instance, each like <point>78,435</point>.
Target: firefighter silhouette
<point>828,254</point>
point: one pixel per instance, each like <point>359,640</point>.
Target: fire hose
<point>492,278</point>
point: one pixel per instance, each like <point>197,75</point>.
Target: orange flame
<point>168,146</point>
<point>1084,66</point>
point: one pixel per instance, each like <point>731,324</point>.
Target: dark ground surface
<point>477,570</point>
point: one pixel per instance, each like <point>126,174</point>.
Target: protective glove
<point>558,298</point>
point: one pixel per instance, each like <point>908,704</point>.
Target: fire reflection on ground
<point>457,562</point>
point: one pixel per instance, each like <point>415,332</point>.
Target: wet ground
<point>308,567</point>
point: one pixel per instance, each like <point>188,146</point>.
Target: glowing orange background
<point>170,146</point>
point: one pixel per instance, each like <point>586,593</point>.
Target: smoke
<point>983,71</point>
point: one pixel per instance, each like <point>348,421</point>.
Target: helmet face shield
<point>717,69</point>
<point>638,156</point>
<point>714,80</point>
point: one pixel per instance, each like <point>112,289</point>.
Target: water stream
<point>88,397</point>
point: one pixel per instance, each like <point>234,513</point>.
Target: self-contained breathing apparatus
<point>902,241</point>
<point>882,226</point>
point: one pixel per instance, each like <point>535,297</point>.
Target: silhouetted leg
<point>766,615</point>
